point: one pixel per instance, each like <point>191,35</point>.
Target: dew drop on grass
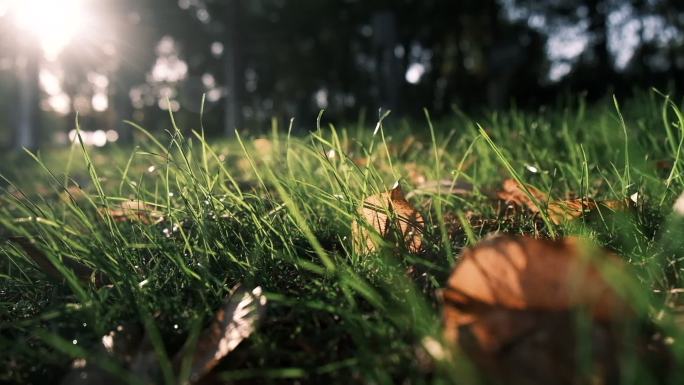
<point>74,342</point>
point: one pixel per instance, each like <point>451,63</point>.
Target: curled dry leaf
<point>263,148</point>
<point>81,271</point>
<point>513,193</point>
<point>124,344</point>
<point>564,210</point>
<point>72,194</point>
<point>509,305</point>
<point>393,217</point>
<point>234,322</point>
<point>664,165</point>
<point>415,174</point>
<point>559,211</point>
<point>678,206</point>
<point>135,211</point>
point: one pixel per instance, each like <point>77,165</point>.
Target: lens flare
<point>54,23</point>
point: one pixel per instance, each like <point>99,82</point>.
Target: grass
<point>277,212</point>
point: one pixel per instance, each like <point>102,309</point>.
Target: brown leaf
<point>509,303</point>
<point>678,206</point>
<point>263,148</point>
<point>526,273</point>
<point>135,211</point>
<point>415,174</point>
<point>124,344</point>
<point>81,271</point>
<point>513,193</point>
<point>664,165</point>
<point>559,211</point>
<point>565,210</point>
<point>234,322</point>
<point>393,217</point>
<point>72,194</point>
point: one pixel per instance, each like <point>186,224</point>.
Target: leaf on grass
<point>394,219</point>
<point>526,273</point>
<point>135,211</point>
<point>123,344</point>
<point>72,193</point>
<point>559,211</point>
<point>679,205</point>
<point>81,271</point>
<point>263,148</point>
<point>513,193</point>
<point>511,303</point>
<point>499,283</point>
<point>415,174</point>
<point>565,210</point>
<point>664,165</point>
<point>234,322</point>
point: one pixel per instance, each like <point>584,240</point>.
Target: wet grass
<point>277,212</point>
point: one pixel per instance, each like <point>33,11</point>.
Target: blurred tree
<point>28,97</point>
<point>262,58</point>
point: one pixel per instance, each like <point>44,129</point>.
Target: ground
<point>167,230</point>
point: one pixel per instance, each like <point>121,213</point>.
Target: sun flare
<point>54,23</point>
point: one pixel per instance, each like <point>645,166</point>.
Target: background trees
<point>259,59</point>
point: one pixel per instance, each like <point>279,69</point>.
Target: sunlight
<point>53,23</point>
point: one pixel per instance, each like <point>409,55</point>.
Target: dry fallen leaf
<point>72,194</point>
<point>81,271</point>
<point>122,344</point>
<point>415,174</point>
<point>526,273</point>
<point>135,211</point>
<point>664,165</point>
<point>234,322</point>
<point>559,211</point>
<point>565,210</point>
<point>509,304</point>
<point>513,193</point>
<point>678,206</point>
<point>263,148</point>
<point>393,217</point>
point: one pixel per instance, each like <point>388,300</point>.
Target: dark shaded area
<point>262,59</point>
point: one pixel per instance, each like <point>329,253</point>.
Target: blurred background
<point>107,61</point>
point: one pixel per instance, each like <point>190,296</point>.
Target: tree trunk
<point>599,32</point>
<point>388,68</point>
<point>28,95</point>
<point>233,71</point>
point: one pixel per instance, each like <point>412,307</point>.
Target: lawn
<point>166,230</point>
